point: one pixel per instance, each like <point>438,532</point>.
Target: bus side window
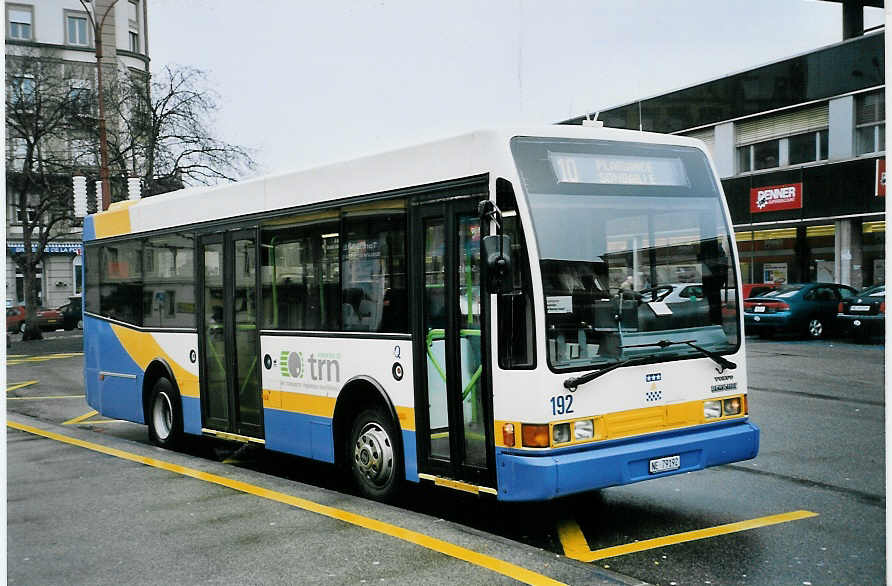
<point>373,259</point>
<point>516,339</point>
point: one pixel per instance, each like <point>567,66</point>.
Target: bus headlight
<point>561,433</point>
<point>584,429</point>
<point>712,409</point>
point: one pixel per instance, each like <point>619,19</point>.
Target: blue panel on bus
<point>191,414</point>
<point>556,473</point>
<point>114,396</point>
<point>411,456</point>
<point>309,436</point>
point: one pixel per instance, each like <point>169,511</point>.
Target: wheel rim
<point>21,327</point>
<point>815,328</point>
<point>373,455</point>
<point>80,324</point>
<point>162,416</point>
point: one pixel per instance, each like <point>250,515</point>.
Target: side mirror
<point>496,257</point>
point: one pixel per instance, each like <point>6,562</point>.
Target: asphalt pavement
<point>810,509</point>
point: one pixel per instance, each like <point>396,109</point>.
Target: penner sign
<point>776,197</point>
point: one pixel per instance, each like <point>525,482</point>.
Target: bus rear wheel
<point>164,416</point>
<point>374,455</point>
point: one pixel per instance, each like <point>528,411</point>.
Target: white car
<point>673,292</point>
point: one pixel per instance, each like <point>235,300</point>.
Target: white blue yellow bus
<point>483,312</point>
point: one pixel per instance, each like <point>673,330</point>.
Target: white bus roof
<point>468,155</point>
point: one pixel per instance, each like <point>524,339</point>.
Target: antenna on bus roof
<point>593,122</point>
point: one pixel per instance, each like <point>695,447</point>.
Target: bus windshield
<point>634,249</point>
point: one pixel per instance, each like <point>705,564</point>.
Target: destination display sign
<point>618,169</point>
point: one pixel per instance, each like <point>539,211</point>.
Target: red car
<point>757,289</point>
<point>47,319</point>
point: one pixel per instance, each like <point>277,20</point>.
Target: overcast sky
<point>310,82</point>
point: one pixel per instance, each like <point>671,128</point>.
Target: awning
<point>51,248</point>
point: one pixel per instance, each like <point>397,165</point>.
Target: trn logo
<point>325,368</point>
<point>292,364</point>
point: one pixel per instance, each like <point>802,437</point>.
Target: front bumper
<point>525,476</point>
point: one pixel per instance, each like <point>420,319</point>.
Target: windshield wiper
<point>574,381</point>
<point>717,358</point>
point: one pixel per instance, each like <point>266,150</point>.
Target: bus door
<point>231,399</point>
<point>453,401</point>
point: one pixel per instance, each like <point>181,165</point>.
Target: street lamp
<point>103,144</point>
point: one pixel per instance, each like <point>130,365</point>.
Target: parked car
<point>808,309</point>
<point>47,319</point>
<point>864,315</point>
<point>757,289</point>
<point>673,292</point>
<point>72,314</point>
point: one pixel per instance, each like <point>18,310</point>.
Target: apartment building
<point>60,34</point>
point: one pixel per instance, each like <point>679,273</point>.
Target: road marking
<point>462,553</point>
<point>42,358</point>
<point>576,547</point>
<point>47,397</point>
<point>17,386</point>
<point>80,418</point>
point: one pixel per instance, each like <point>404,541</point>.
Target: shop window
<point>870,127</point>
<point>374,287</point>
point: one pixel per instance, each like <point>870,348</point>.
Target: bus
<point>487,313</point>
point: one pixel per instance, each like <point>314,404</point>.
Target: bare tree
<point>42,111</point>
<point>165,132</point>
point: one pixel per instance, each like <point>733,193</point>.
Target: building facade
<point>59,34</point>
<point>800,147</point>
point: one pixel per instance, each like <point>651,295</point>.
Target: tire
<point>80,323</point>
<point>376,461</point>
<point>815,328</point>
<point>21,328</point>
<point>164,415</point>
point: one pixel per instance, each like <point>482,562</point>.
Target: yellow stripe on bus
<point>319,406</point>
<point>115,221</point>
<point>143,348</point>
<point>493,564</point>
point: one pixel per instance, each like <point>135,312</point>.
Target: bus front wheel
<point>374,455</point>
<point>165,418</point>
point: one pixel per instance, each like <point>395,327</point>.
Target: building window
<point>82,152</point>
<point>870,127</point>
<point>20,19</point>
<point>133,24</point>
<point>18,151</point>
<point>762,155</point>
<point>22,90</point>
<point>76,30</point>
<point>808,147</point>
<point>79,96</point>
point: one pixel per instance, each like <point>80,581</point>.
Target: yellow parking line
<point>47,397</point>
<point>462,553</point>
<point>576,547</point>
<point>17,386</point>
<point>80,418</point>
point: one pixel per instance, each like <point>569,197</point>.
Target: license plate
<point>859,308</point>
<point>759,309</point>
<point>666,464</point>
